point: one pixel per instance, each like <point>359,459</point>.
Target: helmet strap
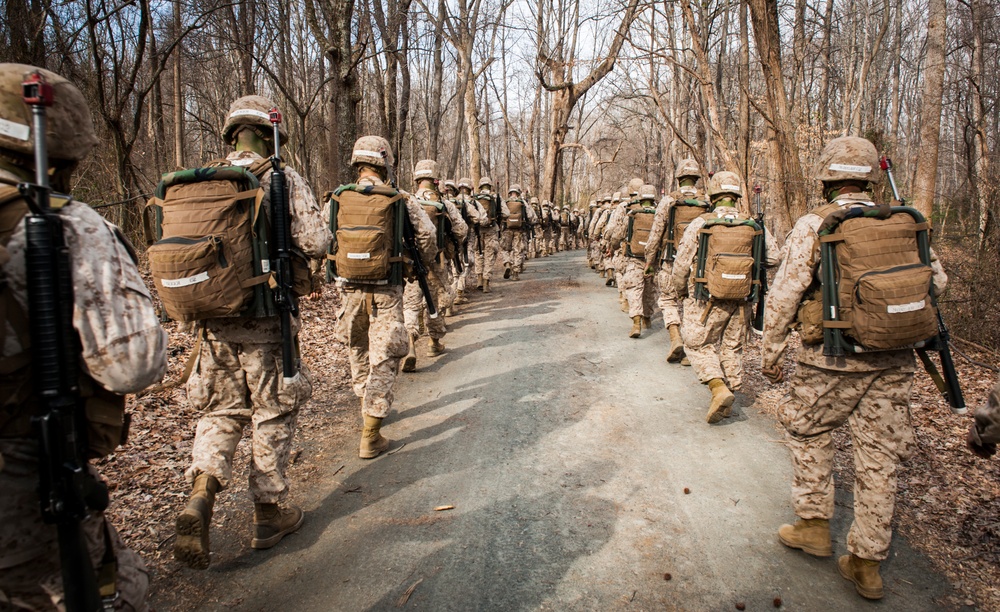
<point>687,181</point>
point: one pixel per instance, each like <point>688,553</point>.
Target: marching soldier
<point>631,233</point>
<point>489,233</point>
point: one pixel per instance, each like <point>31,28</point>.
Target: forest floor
<point>948,509</point>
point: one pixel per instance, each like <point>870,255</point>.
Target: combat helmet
<point>515,188</point>
<point>426,169</point>
<point>69,128</point>
<point>370,150</point>
<point>687,167</point>
<point>533,200</point>
<point>450,184</point>
<point>616,197</point>
<point>465,182</point>
<point>647,192</point>
<point>634,186</point>
<point>250,110</point>
<point>485,182</point>
<point>847,158</point>
<point>723,183</point>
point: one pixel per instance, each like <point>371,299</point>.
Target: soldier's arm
<point>657,231</point>
<point>939,277</point>
<point>123,346</point>
<point>309,228</point>
<point>459,227</point>
<point>423,229</point>
<point>684,257</point>
<point>774,252</point>
<point>504,210</point>
<point>790,285</point>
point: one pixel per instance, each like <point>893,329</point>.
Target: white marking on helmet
<point>14,130</point>
<point>850,168</point>
<point>250,112</point>
<point>364,153</point>
<point>735,188</point>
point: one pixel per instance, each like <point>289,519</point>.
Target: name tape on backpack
<point>174,283</point>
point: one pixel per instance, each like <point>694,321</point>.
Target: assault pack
<point>728,262</point>
<point>491,204</point>
<point>367,224</point>
<point>682,212</point>
<point>516,218</point>
<point>564,218</point>
<point>640,222</point>
<point>209,255</point>
<point>876,280</point>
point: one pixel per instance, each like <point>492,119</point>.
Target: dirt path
<point>567,451</point>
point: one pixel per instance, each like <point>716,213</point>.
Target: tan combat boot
<point>479,282</point>
<point>676,344</point>
<point>863,573</point>
<point>515,275</point>
<point>722,401</point>
<point>373,443</point>
<point>271,522</point>
<point>603,273</point>
<point>506,271</point>
<point>685,361</point>
<point>410,361</point>
<point>191,547</point>
<point>636,327</point>
<point>486,286</point>
<point>460,298</point>
<point>436,347</point>
<point>449,311</point>
<point>646,322</point>
<point>811,536</point>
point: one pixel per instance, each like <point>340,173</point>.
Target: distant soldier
<point>238,378</point>
<point>370,272</point>
<point>718,268</point>
<point>565,228</point>
<point>588,225</point>
<point>673,214</point>
<point>630,235</point>
<point>121,349</point>
<point>605,265</point>
<point>489,233</point>
<point>474,216</point>
<point>869,391</point>
<point>450,232</point>
<point>535,244</point>
<point>596,256</point>
<point>550,229</point>
<point>520,217</point>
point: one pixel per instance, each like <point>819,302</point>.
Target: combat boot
<point>603,273</point>
<point>191,547</point>
<point>460,298</point>
<point>271,522</point>
<point>506,271</point>
<point>410,361</point>
<point>611,281</point>
<point>863,573</point>
<point>676,344</point>
<point>373,443</point>
<point>486,286</point>
<point>436,348</point>
<point>515,275</point>
<point>636,327</point>
<point>811,536</point>
<point>722,398</point>
<point>479,282</point>
<point>449,311</point>
<point>686,362</point>
<point>646,322</point>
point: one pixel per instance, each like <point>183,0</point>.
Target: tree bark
<point>930,116</point>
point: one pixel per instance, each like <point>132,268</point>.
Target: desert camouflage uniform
<point>715,347</point>
<point>519,241</point>
<point>490,235</point>
<point>638,289</point>
<point>668,300</point>
<point>604,260</point>
<point>594,248</point>
<point>473,215</point>
<point>439,278</point>
<point>565,235</point>
<point>549,227</point>
<point>370,323</point>
<point>123,349</point>
<point>987,427</point>
<point>237,378</point>
<point>870,392</point>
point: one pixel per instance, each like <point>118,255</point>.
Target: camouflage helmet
<point>515,188</point>
<point>725,182</point>
<point>465,182</point>
<point>450,184</point>
<point>847,158</point>
<point>69,128</point>
<point>647,192</point>
<point>370,150</point>
<point>250,110</point>
<point>606,197</point>
<point>485,182</point>
<point>593,204</point>
<point>426,169</point>
<point>634,186</point>
<point>687,167</point>
<point>616,197</point>
<point>533,200</point>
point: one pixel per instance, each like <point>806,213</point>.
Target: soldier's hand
<point>977,446</point>
<point>649,271</point>
<point>773,373</point>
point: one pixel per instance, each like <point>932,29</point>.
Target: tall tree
<point>930,115</point>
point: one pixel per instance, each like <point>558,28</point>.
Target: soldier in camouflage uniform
<point>637,287</point>
<point>550,224</point>
<point>517,237</point>
<point>370,321</point>
<point>237,379</point>
<point>535,244</point>
<point>122,350</point>
<point>594,248</point>
<point>438,270</point>
<point>489,233</point>
<point>869,391</point>
<point>604,264</point>
<point>687,175</point>
<point>475,216</point>
<point>715,331</point>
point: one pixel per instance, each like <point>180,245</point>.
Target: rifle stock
<point>758,315</point>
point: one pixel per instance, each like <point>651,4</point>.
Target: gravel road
<point>582,475</point>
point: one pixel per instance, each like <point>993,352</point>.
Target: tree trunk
<point>930,115</point>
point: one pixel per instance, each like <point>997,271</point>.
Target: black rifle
<point>948,384</point>
<point>758,315</point>
<point>449,229</point>
<point>66,490</point>
<point>281,238</point>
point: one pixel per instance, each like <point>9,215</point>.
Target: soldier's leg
<point>389,343</point>
<point>649,293</point>
<point>633,286</point>
<point>882,437</point>
<point>731,349</point>
<point>276,404</point>
<point>435,327</point>
<point>701,339</point>
<point>519,247</point>
<point>413,306</point>
<point>352,330</point>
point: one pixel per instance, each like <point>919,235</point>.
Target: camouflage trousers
<point>30,570</point>
<point>594,253</point>
<point>371,325</point>
<point>551,242</point>
<point>460,280</point>
<point>415,308</point>
<point>518,248</point>
<point>668,300</point>
<point>565,239</point>
<point>234,384</point>
<point>639,289</point>
<point>491,248</point>
<point>715,347</point>
<point>507,247</point>
<point>875,406</point>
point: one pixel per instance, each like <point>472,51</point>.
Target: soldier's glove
<point>649,271</point>
<point>977,446</point>
<point>773,373</point>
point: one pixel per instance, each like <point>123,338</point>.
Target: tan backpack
<point>682,212</point>
<point>210,257</point>
<point>876,277</point>
<point>728,260</point>
<point>640,222</point>
<point>367,224</point>
<point>516,218</point>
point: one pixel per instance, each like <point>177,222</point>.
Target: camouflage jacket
<point>795,276</point>
<point>459,228</point>
<point>658,232</point>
